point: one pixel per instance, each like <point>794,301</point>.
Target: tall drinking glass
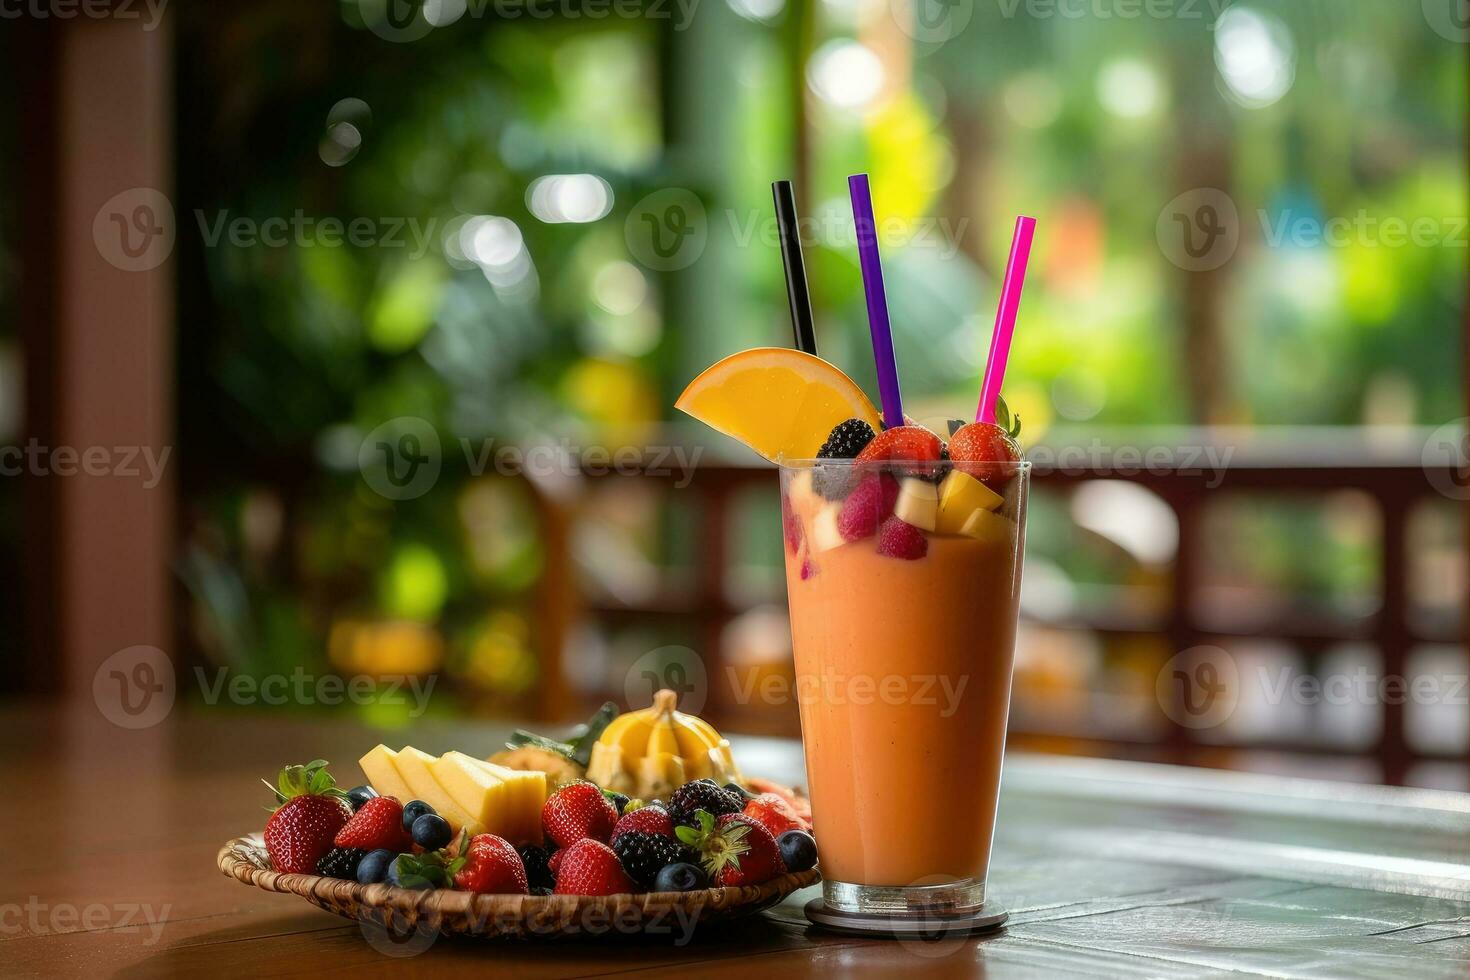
<point>903,629</point>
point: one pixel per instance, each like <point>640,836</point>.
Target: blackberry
<point>716,800</point>
<point>537,860</point>
<point>644,855</point>
<point>341,862</point>
<point>846,440</point>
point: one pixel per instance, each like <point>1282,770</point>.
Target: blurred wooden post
<point>98,346</point>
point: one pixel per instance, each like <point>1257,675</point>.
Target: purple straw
<point>867,241</point>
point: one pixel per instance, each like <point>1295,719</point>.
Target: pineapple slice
<point>501,800</point>
<point>415,768</point>
<point>382,774</point>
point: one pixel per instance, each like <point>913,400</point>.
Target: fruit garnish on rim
<point>781,403</point>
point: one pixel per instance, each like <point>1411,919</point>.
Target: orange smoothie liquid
<point>903,678</point>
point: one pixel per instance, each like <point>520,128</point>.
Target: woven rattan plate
<point>454,913</point>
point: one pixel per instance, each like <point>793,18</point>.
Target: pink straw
<point>1005,317</point>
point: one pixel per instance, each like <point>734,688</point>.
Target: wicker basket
<point>446,912</point>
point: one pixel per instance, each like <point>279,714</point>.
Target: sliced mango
<point>382,774</point>
<point>414,767</point>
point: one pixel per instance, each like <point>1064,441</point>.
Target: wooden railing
<point>1309,463</point>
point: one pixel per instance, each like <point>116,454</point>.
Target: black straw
<point>797,292</point>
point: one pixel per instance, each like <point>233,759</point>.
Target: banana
<point>652,752</point>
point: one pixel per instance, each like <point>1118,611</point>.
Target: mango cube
<point>415,768</point>
<point>382,774</point>
<point>990,527</point>
<point>918,503</point>
<point>960,497</point>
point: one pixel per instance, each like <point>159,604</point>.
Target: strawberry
<point>734,850</point>
<point>649,819</point>
<point>800,804</point>
<point>906,443</point>
<point>312,810</point>
<point>590,867</point>
<point>576,811</point>
<point>492,866</point>
<point>986,452</point>
<point>867,506</point>
<point>898,539</point>
<point>553,863</point>
<point>377,824</point>
<point>775,814</point>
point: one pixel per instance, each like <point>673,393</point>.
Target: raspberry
<point>867,506</point>
<point>899,539</point>
<point>790,525</point>
<point>846,440</point>
<point>983,450</point>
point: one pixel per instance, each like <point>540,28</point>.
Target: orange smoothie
<point>903,672</point>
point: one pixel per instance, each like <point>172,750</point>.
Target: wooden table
<point>1108,868</point>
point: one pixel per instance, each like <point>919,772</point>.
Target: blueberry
<point>413,810</point>
<point>618,800</point>
<point>358,795</point>
<point>412,879</point>
<point>431,832</point>
<point>798,850</point>
<point>737,788</point>
<point>680,877</point>
<point>374,866</point>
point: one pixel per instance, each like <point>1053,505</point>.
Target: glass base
<point>955,898</point>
